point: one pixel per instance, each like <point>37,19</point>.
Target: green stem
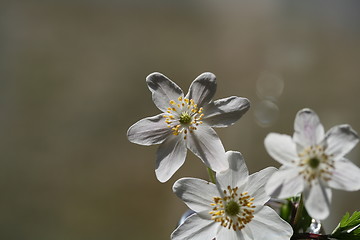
<point>211,175</point>
<point>302,220</point>
<point>298,215</point>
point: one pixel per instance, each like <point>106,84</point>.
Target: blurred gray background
<point>72,80</point>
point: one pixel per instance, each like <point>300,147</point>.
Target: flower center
<point>184,116</point>
<point>314,163</point>
<point>233,210</point>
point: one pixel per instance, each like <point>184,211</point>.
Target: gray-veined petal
<point>345,176</point>
<point>237,173</point>
<point>284,183</point>
<point>195,228</point>
<point>282,148</point>
<point>339,140</point>
<point>202,89</point>
<point>163,90</point>
<point>170,157</point>
<point>197,194</point>
<point>205,143</point>
<point>248,235</point>
<point>149,131</point>
<point>267,224</point>
<point>317,200</point>
<point>225,112</point>
<point>229,234</point>
<point>256,185</point>
<point>308,129</point>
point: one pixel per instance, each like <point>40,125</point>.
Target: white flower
<point>313,162</point>
<point>186,122</point>
<point>231,209</point>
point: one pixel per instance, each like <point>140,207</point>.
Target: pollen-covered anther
<point>233,210</point>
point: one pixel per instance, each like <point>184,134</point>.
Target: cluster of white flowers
<point>234,205</point>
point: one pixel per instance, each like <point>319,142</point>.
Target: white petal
<point>237,173</point>
<point>248,235</point>
<point>149,131</point>
<point>317,200</point>
<point>195,228</point>
<point>205,143</point>
<point>202,89</point>
<point>196,193</point>
<point>282,148</point>
<point>308,129</point>
<point>170,157</point>
<point>163,90</point>
<point>229,234</point>
<point>267,224</point>
<point>256,185</point>
<point>284,183</point>
<point>346,176</point>
<point>225,112</point>
<point>339,140</point>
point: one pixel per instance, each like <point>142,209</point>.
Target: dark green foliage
<point>348,228</point>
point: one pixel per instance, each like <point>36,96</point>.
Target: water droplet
<point>315,226</point>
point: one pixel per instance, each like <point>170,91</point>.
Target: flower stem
<point>301,220</point>
<point>298,215</point>
<point>211,175</point>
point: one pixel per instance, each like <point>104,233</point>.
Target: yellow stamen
<point>233,210</point>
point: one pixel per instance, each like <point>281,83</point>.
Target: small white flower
<point>232,209</point>
<point>186,122</point>
<point>313,162</point>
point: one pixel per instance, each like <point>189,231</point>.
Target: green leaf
<point>348,228</point>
